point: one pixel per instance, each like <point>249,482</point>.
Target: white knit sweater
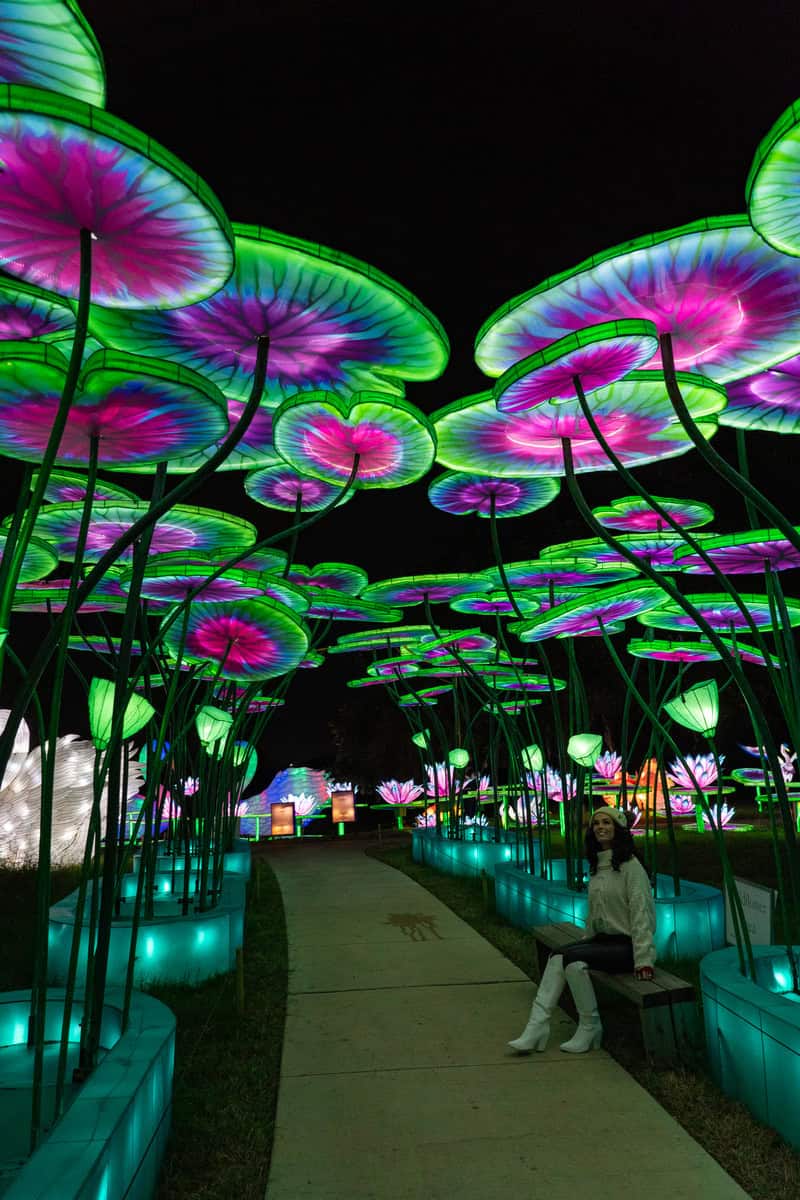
<point>621,902</point>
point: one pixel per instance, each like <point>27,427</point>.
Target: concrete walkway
<point>396,1083</point>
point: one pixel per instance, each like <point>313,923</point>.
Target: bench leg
<point>689,1032</point>
<point>658,1033</point>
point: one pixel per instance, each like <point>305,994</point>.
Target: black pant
<point>612,952</point>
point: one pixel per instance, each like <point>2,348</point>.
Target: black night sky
<point>468,150</point>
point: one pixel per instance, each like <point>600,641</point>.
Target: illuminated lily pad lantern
<point>254,450</point>
<point>138,712</point>
<point>462,494</point>
<point>661,650</point>
<point>282,487</point>
<point>768,401</point>
<point>182,528</point>
<point>719,611</point>
<point>322,434</point>
<point>27,311</point>
<point>341,577</point>
<point>49,44</point>
<point>749,553</point>
<point>69,487</point>
<point>563,574</point>
<point>243,640</point>
<point>338,606</point>
<point>378,639</point>
<point>730,302</point>
<point>160,237</point>
<point>632,514</point>
<point>597,355</point>
<point>609,605</point>
<point>658,550</point>
<point>139,412</point>
<point>409,590</point>
<point>697,708</point>
<point>170,578</point>
<point>773,183</point>
<point>634,415</point>
<point>462,641</point>
<point>39,560</point>
<point>496,604</point>
<point>334,324</point>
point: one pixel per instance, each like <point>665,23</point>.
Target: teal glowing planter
<point>753,1034</point>
<point>466,857</point>
<point>170,948</point>
<point>236,861</point>
<point>111,1139</point>
<point>687,926</point>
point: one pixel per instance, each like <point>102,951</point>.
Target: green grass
<point>754,1155</point>
<point>227,1064</point>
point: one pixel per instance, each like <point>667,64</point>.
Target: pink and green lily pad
<point>729,300</point>
<point>657,550</point>
<point>281,486</point>
<point>336,576</point>
<point>334,324</point>
<point>773,184</point>
<point>634,415</point>
<point>49,44</point>
<point>749,553</point>
<point>692,652</point>
<point>140,411</point>
<point>495,604</point>
<point>609,605</point>
<point>419,589</point>
<point>560,573</point>
<point>183,528</point>
<point>69,487</point>
<point>321,434</point>
<point>253,451</point>
<point>242,640</point>
<point>597,355</point>
<point>633,514</point>
<point>39,560</point>
<point>338,606</point>
<point>461,493</point>
<point>719,611</point>
<point>768,401</point>
<point>378,639</point>
<point>160,237</point>
<point>173,578</point>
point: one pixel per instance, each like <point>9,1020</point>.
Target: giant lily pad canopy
<point>634,415</point>
<point>49,44</point>
<point>658,550</point>
<point>320,434</point>
<point>730,301</point>
<point>139,411</point>
<point>160,236</point>
<point>333,323</point>
<point>421,589</point>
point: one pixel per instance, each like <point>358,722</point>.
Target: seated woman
<point>620,929</point>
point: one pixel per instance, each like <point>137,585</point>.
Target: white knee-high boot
<point>535,1034</point>
<point>589,1033</point>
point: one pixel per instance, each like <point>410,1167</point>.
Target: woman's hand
<point>644,972</point>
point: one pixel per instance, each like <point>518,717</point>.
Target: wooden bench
<point>668,1011</point>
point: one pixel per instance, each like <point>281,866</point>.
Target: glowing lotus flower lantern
<point>699,772</point>
<point>399,795</point>
<point>608,766</point>
<point>445,781</point>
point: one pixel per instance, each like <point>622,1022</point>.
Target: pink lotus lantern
<point>392,791</point>
<point>608,766</point>
<point>700,772</point>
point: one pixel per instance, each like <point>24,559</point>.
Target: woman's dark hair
<point>621,847</point>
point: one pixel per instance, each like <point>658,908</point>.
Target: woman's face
<point>603,828</point>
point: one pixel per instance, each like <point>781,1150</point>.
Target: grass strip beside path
<point>753,1154</point>
<point>227,1064</point>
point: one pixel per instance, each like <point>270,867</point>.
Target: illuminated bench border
<point>468,857</point>
<point>111,1139</point>
<point>753,1034</point>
